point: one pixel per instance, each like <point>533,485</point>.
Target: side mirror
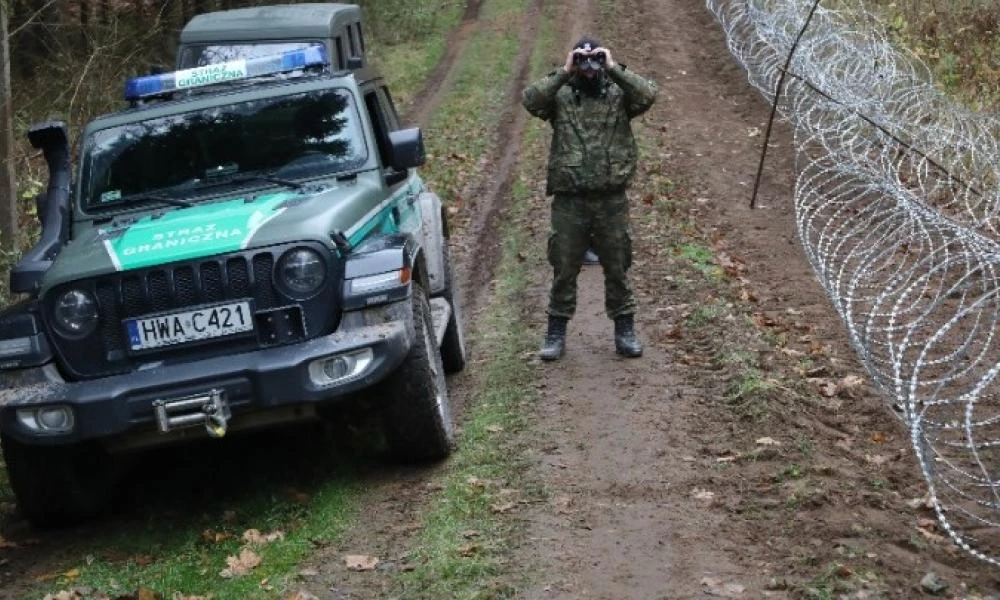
<point>407,148</point>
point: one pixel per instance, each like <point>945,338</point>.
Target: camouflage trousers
<point>599,221</point>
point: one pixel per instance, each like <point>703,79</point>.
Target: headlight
<point>76,313</point>
<point>302,271</point>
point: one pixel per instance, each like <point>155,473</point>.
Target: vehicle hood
<point>220,227</point>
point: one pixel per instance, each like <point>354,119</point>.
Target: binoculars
<point>593,61</point>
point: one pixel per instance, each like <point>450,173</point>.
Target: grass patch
<point>465,538</point>
<point>702,259</point>
<point>410,40</point>
<point>704,314</point>
<point>167,550</point>
<point>464,547</point>
<point>462,130</point>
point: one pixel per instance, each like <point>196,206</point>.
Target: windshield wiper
<point>158,198</point>
<point>251,178</point>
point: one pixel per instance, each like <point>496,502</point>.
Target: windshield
<point>299,136</point>
<point>199,55</point>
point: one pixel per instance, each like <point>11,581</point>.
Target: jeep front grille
<point>179,286</point>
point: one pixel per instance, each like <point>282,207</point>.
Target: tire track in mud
<point>480,240</point>
<point>438,84</point>
<point>397,496</point>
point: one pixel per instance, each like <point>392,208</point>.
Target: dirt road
<point>662,482</point>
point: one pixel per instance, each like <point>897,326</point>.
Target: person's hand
<point>570,65</point>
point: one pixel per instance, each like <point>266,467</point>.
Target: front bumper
<point>268,380</point>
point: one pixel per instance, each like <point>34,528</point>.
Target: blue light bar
<point>234,70</point>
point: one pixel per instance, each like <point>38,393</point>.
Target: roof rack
<point>149,86</point>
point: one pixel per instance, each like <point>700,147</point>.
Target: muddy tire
<point>57,486</point>
<point>417,417</point>
<point>453,344</point>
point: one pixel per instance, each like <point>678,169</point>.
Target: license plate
<point>189,326</point>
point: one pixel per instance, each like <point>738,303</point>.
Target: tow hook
<point>208,409</point>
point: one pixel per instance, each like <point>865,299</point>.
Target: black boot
<point>626,343</point>
<point>555,339</point>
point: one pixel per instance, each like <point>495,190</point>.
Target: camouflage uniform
<point>591,160</point>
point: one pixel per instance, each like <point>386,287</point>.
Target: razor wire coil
<point>897,203</point>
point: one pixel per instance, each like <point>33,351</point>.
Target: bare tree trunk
<point>8,191</point>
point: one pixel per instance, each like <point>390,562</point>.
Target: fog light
<point>335,368</point>
<point>328,371</point>
<point>47,419</point>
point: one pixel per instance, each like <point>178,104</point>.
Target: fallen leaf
<point>241,564</point>
<point>844,443</point>
<point>143,560</point>
<point>214,537</point>
<point>494,428</point>
<point>469,549</point>
<point>63,595</point>
<point>827,388</point>
<point>876,459</point>
<point>768,441</point>
<point>933,584</point>
<point>147,594</point>
<point>850,385</point>
<point>700,494</point>
<point>255,538</point>
<point>931,536</point>
<point>360,562</point>
<point>715,587</point>
<point>916,503</point>
<point>503,507</point>
<point>470,533</point>
<point>72,574</point>
<point>475,482</point>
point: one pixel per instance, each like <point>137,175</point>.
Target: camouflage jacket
<point>593,148</point>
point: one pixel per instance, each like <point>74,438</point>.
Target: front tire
<point>57,486</point>
<point>417,416</point>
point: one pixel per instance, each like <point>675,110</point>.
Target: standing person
<point>590,103</point>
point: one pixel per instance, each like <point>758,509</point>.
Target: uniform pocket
<point>568,159</point>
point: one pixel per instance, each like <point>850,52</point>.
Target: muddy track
<point>397,496</point>
<point>490,196</point>
<point>429,97</point>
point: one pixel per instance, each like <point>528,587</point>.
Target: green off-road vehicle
<point>245,245</point>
